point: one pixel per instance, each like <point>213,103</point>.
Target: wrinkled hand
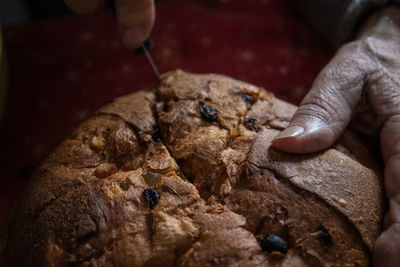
<point>135,18</point>
<point>360,84</point>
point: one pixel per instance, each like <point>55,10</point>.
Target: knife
<point>143,48</point>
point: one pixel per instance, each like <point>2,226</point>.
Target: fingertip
<point>286,145</point>
<point>135,21</point>
<point>290,132</point>
<point>302,139</point>
<point>133,37</point>
<point>387,247</point>
<point>288,140</point>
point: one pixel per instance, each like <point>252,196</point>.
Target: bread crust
<point>203,143</point>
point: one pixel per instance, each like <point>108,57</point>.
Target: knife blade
<point>150,61</point>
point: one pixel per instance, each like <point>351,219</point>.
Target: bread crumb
<point>98,143</point>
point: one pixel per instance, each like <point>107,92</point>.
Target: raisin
<point>124,185</point>
<point>324,236</point>
<point>208,113</point>
<point>274,243</point>
<point>156,135</point>
<point>250,122</point>
<point>247,97</point>
<point>152,196</point>
<point>190,179</point>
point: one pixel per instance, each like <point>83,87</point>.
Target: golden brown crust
<point>89,203</point>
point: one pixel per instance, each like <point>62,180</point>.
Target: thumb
<point>326,110</point>
<point>135,20</point>
<point>387,247</point>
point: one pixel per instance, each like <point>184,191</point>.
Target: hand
<point>135,18</point>
<point>361,83</point>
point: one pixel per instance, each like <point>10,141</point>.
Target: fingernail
<point>292,131</point>
<point>132,37</point>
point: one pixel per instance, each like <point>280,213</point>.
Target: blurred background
<point>60,67</point>
<point>13,12</point>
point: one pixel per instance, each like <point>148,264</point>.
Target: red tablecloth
<point>62,69</point>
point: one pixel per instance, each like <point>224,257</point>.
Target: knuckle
<point>327,103</point>
<point>352,46</point>
<point>315,111</point>
<point>358,55</point>
<point>347,70</point>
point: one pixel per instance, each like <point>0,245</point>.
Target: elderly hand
<point>360,84</point>
<point>135,18</point>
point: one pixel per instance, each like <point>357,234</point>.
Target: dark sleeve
<point>336,20</point>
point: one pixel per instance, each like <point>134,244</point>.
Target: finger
<point>390,145</point>
<point>385,98</point>
<point>393,215</point>
<point>392,175</point>
<point>387,247</point>
<point>135,20</point>
<point>327,109</point>
<point>390,136</point>
<point>85,7</point>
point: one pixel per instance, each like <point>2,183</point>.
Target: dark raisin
<point>208,113</point>
<point>156,135</point>
<point>251,123</point>
<point>247,97</point>
<point>324,236</point>
<point>152,196</point>
<point>190,179</point>
<point>124,185</point>
<point>274,243</point>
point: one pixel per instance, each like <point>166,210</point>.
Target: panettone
<point>185,175</point>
